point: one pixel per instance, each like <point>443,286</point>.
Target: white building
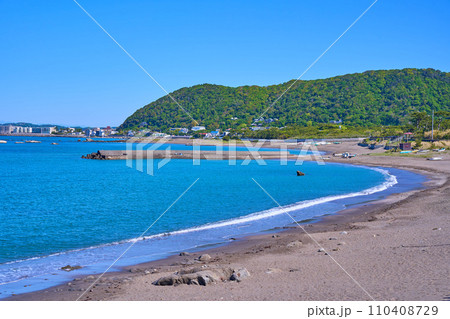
<point>198,128</point>
<point>11,129</point>
<point>6,129</point>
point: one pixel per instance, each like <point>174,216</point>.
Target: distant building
<point>336,122</point>
<point>11,129</point>
<point>179,129</point>
<point>100,133</point>
<point>198,128</point>
<point>159,134</point>
<point>48,130</point>
<point>6,129</point>
<point>22,130</point>
<point>215,133</point>
<point>44,130</point>
<point>405,146</point>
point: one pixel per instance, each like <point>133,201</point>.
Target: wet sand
<point>397,248</point>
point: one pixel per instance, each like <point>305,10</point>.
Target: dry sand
<point>394,249</point>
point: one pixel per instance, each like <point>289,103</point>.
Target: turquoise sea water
<point>58,209</point>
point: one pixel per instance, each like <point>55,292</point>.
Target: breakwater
<point>188,154</point>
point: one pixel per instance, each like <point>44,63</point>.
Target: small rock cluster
<point>201,276</point>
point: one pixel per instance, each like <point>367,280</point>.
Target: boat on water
<point>18,142</point>
<point>54,143</point>
<point>3,142</point>
<point>32,141</point>
<point>434,158</point>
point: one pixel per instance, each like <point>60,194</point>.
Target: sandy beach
<point>392,249</point>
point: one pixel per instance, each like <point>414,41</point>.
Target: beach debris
<point>296,243</point>
<point>275,236</point>
<point>273,271</point>
<point>204,257</point>
<point>321,250</point>
<point>342,243</point>
<point>332,238</point>
<point>70,268</point>
<point>343,232</point>
<point>335,249</point>
<point>437,228</point>
<point>184,253</point>
<point>239,274</point>
<point>136,270</point>
<point>202,277</point>
<point>300,173</point>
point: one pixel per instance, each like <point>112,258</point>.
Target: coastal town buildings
<point>15,129</point>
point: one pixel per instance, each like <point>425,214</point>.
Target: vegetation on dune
<point>362,101</point>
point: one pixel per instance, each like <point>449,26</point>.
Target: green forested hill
<point>385,97</point>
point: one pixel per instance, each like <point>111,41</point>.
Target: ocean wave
<point>390,181</point>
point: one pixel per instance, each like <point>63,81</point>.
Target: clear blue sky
<point>58,67</point>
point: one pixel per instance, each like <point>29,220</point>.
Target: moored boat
<point>3,142</point>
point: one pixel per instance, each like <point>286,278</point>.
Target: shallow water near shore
<point>58,209</point>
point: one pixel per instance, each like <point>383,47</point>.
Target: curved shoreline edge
<point>390,181</point>
<point>241,243</point>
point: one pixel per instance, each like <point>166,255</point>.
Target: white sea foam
<point>391,180</point>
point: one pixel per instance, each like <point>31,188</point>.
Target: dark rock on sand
<point>203,277</point>
<point>195,276</point>
<point>70,268</point>
<point>240,274</point>
<point>204,257</point>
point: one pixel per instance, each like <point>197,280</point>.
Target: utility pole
<point>432,124</point>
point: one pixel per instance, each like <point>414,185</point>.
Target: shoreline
<point>317,203</point>
<point>333,222</point>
